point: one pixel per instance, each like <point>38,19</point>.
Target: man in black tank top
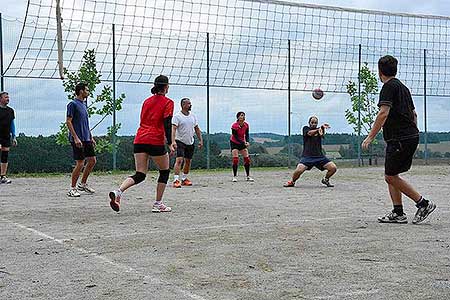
<point>398,118</point>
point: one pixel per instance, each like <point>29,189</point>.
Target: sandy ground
<point>225,240</point>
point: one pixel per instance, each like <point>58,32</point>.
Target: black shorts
<point>239,147</point>
<point>185,151</point>
<point>399,155</point>
<point>152,150</point>
<point>318,162</point>
<point>87,150</point>
<point>5,142</point>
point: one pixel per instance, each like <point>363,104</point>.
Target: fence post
<point>114,95</point>
<point>359,105</point>
<point>425,103</point>
<point>2,82</point>
<point>289,104</point>
<point>208,142</point>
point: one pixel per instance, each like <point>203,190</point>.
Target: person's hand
<point>247,144</point>
<point>326,125</point>
<point>14,142</point>
<point>365,144</point>
<point>77,142</point>
<point>94,143</point>
<point>200,145</point>
<point>172,148</point>
<point>320,131</point>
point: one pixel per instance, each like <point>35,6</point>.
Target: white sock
<point>183,176</point>
<point>176,177</point>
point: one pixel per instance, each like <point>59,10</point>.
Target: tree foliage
<point>101,105</point>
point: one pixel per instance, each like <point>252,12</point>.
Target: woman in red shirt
<point>155,130</point>
<point>239,143</point>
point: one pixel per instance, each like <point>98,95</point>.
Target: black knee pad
<point>163,176</point>
<point>138,177</point>
<point>4,157</point>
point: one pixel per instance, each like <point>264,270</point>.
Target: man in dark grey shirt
<point>312,155</point>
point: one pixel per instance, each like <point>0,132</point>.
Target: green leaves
<point>366,104</point>
<point>102,104</point>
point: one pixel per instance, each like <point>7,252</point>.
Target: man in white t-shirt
<point>184,126</point>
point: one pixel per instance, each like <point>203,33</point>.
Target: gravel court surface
<point>225,240</point>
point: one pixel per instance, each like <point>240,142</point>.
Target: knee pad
<point>235,161</point>
<point>163,176</point>
<point>138,177</point>
<point>246,160</point>
<point>4,157</point>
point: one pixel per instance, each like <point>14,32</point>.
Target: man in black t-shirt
<point>7,134</point>
<point>312,155</point>
<point>398,118</point>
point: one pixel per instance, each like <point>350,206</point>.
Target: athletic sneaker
<point>5,180</point>
<point>160,208</point>
<point>85,187</point>
<point>393,217</point>
<point>423,212</point>
<point>250,179</point>
<point>176,184</point>
<point>234,179</point>
<point>186,182</point>
<point>290,183</point>
<point>326,181</point>
<point>73,193</point>
<point>114,196</point>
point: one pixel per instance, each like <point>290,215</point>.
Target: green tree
<point>366,104</point>
<point>101,104</point>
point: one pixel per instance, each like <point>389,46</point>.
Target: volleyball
<point>317,94</point>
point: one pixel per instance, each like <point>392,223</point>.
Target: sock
<point>422,202</point>
<point>119,191</point>
<point>158,202</point>
<point>183,176</point>
<point>176,177</point>
<point>398,209</point>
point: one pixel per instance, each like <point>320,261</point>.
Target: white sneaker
<point>160,208</point>
<point>234,179</point>
<point>73,193</point>
<point>5,180</point>
<point>250,179</point>
<point>114,202</point>
<point>85,187</point>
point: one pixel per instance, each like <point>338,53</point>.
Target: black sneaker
<point>423,212</point>
<point>393,217</point>
<point>326,181</point>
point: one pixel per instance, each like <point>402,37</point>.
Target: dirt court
<point>225,240</point>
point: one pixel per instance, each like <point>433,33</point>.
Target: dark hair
<point>80,87</point>
<point>313,117</point>
<point>237,115</point>
<point>160,84</point>
<point>184,99</point>
<point>3,93</point>
<point>387,65</point>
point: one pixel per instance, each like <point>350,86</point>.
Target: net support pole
<point>208,142</point>
<point>425,104</point>
<point>2,79</point>
<point>289,103</point>
<point>359,104</point>
<point>59,39</point>
<point>114,154</point>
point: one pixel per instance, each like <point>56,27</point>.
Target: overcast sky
<point>17,8</point>
<point>224,104</point>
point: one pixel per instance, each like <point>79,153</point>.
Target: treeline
<point>42,154</point>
